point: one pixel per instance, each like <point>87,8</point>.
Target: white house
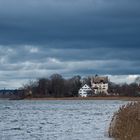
<point>85,91</point>
<point>99,84</point>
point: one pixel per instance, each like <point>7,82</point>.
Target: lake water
<point>56,120</point>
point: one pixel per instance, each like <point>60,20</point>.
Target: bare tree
<point>57,85</point>
<point>86,80</point>
<point>43,86</point>
<point>137,80</point>
<point>75,83</point>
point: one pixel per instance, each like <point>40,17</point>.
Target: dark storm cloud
<point>108,23</point>
<point>21,63</point>
<point>40,58</point>
<point>41,37</point>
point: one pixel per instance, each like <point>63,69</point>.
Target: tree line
<point>54,86</point>
<point>57,86</point>
<point>125,89</point>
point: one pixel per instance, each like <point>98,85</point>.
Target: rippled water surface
<point>56,120</point>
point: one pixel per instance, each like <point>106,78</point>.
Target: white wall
<point>83,91</point>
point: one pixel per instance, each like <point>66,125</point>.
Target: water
<point>56,120</point>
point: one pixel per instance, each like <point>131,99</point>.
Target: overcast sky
<point>69,37</point>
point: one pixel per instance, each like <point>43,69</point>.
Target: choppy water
<point>56,120</point>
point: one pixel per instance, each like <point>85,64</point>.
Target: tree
<point>86,80</point>
<point>43,87</point>
<point>57,85</point>
<point>137,80</point>
<point>30,88</point>
<point>76,84</point>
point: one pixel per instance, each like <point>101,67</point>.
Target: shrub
<point>125,124</point>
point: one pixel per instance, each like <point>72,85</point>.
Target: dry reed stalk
<point>125,124</point>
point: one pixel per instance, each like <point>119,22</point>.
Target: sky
<point>68,37</point>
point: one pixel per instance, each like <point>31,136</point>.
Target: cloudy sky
<point>69,37</point>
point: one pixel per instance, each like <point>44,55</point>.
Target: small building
<point>85,91</point>
<point>100,84</point>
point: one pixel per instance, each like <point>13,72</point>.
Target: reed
<point>125,124</point>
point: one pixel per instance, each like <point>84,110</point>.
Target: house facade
<point>85,91</point>
<point>99,84</point>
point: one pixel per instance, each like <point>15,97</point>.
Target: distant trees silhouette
<point>57,86</point>
<point>54,86</point>
<point>132,89</point>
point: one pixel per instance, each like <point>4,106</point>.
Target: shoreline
<point>123,98</point>
<point>88,98</point>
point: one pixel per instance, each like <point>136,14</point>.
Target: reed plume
<point>125,124</point>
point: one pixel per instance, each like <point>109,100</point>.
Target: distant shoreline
<point>81,98</point>
<point>88,98</point>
